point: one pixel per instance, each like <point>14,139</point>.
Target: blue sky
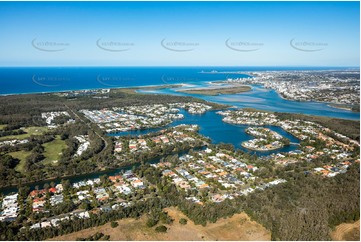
<point>193,33</point>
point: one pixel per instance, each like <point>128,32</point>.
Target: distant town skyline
<point>179,33</point>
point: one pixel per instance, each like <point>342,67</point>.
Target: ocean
<point>20,80</point>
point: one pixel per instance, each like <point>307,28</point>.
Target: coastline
<point>97,88</point>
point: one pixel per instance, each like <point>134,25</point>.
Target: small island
<point>213,91</point>
<point>349,107</point>
<point>266,139</point>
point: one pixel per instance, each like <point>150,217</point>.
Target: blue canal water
<point>212,126</point>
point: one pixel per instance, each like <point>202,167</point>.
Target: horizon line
<point>340,66</point>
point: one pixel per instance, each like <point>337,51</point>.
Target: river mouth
<point>262,99</point>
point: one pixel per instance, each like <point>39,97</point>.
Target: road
<point>89,125</point>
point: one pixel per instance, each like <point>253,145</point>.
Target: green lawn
<point>29,131</point>
<point>21,155</point>
<point>2,126</point>
<point>53,150</point>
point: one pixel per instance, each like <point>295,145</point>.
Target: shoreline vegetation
<point>214,91</point>
<point>155,87</point>
<point>125,89</point>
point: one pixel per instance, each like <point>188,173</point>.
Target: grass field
<point>21,155</point>
<point>2,126</point>
<point>238,227</point>
<point>347,232</point>
<point>29,131</point>
<point>53,151</point>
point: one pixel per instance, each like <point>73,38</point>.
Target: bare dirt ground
<point>347,231</point>
<point>238,227</point>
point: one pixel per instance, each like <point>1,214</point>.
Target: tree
<point>151,222</point>
<point>23,192</point>
<point>183,221</point>
<point>104,180</point>
<point>165,218</point>
<point>85,205</point>
<point>114,224</point>
<point>66,185</point>
<point>161,229</point>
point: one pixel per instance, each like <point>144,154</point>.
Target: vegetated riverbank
<point>151,87</point>
<point>213,91</point>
